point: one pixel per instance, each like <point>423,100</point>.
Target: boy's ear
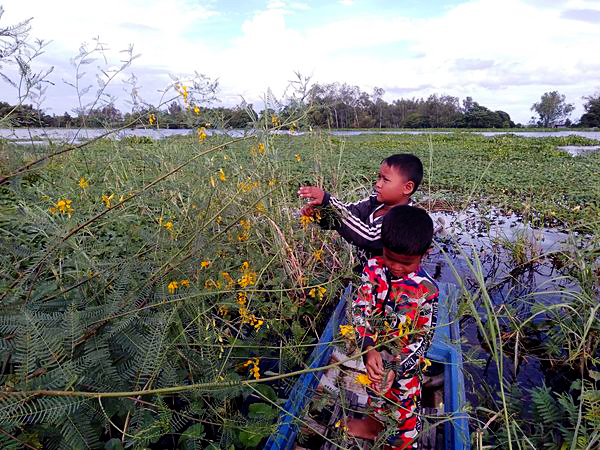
<point>408,187</point>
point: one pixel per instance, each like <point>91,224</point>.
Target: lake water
<point>71,135</point>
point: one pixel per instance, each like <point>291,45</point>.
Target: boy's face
<point>392,187</point>
<point>400,265</point>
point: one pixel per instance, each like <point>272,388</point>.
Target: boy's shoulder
<point>427,284</point>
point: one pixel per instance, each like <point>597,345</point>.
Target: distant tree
<point>379,103</point>
<point>505,119</point>
<point>552,109</point>
<point>591,117</point>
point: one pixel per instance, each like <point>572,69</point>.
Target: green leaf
<point>249,439</point>
<point>261,411</point>
<point>194,432</point>
<point>267,391</point>
<point>113,444</point>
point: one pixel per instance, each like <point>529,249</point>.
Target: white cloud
<point>503,54</point>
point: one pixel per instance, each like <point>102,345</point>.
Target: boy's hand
<point>374,366</point>
<point>313,194</point>
<point>386,383</point>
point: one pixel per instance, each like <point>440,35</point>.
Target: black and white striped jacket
<point>356,223</point>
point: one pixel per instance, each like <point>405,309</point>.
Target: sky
<point>503,53</point>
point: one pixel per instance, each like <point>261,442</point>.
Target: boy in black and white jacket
<point>360,223</point>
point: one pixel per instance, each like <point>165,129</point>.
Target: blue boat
<point>445,349</point>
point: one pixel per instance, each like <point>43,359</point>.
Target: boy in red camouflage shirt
<point>394,315</point>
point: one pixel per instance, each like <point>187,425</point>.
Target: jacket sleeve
<point>421,331</point>
<point>350,221</point>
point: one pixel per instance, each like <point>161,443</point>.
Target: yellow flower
<point>346,329</point>
<point>168,225</point>
<point>212,181</point>
<point>204,264</point>
<point>305,220</point>
<point>261,148</point>
<point>363,379</point>
<point>246,224</point>
<point>320,291</point>
<point>223,310</point>
<point>196,110</point>
<point>241,298</point>
<point>427,363</point>
<point>63,206</point>
<point>260,207</point>
<point>230,281</point>
<point>172,287</point>
<point>272,182</point>
<point>247,279</point>
<point>83,183</point>
<point>298,157</point>
<point>201,134</point>
<point>245,266</point>
<point>242,237</point>
<point>340,423</point>
<point>183,90</point>
<point>274,120</point>
<point>151,119</point>
<point>318,254</point>
<point>221,175</point>
<point>106,199</point>
<point>185,283</point>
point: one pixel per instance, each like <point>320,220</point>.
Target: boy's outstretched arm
<point>349,219</point>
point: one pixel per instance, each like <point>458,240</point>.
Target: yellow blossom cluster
<point>245,315</point>
<point>426,362</point>
<point>183,91</point>
<point>305,220</point>
<point>318,255</point>
<point>248,277</point>
<point>341,424</point>
<point>168,225</point>
<point>320,292</point>
<point>275,120</point>
<point>205,264</point>
<point>106,199</point>
<point>346,330</point>
<point>221,174</point>
<point>151,119</point>
<point>63,206</point>
<point>260,207</point>
<point>245,234</point>
<point>297,157</point>
<point>174,285</point>
<point>258,150</point>
<point>363,379</point>
<point>228,279</point>
<point>405,328</point>
<point>254,369</point>
<point>83,183</point>
<point>249,185</point>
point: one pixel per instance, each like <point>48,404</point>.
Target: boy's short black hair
<point>407,230</point>
<point>408,165</point>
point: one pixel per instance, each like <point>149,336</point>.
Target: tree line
<point>331,105</point>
